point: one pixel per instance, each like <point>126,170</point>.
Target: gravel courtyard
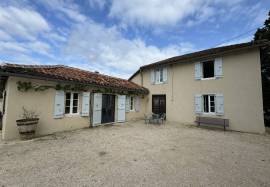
<point>133,154</point>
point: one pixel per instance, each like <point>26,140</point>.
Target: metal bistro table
<point>154,119</point>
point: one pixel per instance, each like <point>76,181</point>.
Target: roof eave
<point>142,91</point>
<point>174,60</point>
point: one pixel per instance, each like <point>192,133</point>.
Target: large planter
<point>27,127</point>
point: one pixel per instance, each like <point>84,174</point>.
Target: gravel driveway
<point>133,154</point>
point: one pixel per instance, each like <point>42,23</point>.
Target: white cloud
<point>68,8</point>
<point>237,40</point>
<point>24,31</point>
<point>21,22</point>
<point>108,51</point>
<point>97,3</point>
<point>170,12</point>
<point>4,36</point>
<point>12,46</point>
<point>39,47</point>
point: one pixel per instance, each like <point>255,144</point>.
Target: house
<point>66,98</point>
<point>222,82</point>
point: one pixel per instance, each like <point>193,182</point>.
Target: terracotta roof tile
<point>66,73</point>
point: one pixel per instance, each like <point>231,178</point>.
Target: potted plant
<point>28,124</point>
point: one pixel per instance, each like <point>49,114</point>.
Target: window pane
<point>212,103</point>
<point>161,75</point>
<point>205,103</point>
<point>67,102</point>
<point>212,98</point>
<point>75,95</point>
<point>67,107</point>
<point>75,110</point>
<point>131,103</point>
<point>68,95</point>
<point>157,75</point>
<point>208,69</point>
<point>67,110</point>
<point>75,103</point>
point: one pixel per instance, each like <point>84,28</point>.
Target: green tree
<point>264,34</point>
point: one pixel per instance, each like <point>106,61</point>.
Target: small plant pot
<point>27,127</point>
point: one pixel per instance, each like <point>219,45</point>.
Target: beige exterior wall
<point>43,103</point>
<point>240,86</point>
<point>137,115</point>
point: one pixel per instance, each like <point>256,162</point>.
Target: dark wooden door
<point>108,108</point>
<point>159,104</point>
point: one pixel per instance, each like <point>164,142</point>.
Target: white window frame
<point>132,104</point>
<point>209,104</point>
<point>71,104</point>
<point>158,72</point>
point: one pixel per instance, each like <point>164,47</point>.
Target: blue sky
<point>116,37</point>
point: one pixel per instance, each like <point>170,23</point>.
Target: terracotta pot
<point>27,127</point>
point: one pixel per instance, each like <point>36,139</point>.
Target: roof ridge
<point>87,71</point>
<point>16,65</point>
<point>4,64</point>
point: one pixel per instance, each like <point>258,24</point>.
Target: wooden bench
<point>212,121</point>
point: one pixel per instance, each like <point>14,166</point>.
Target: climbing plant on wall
<point>28,86</point>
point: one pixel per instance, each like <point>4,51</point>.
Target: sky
<point>116,37</point>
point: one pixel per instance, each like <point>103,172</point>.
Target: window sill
<point>209,114</point>
<point>210,78</point>
<point>159,83</point>
<point>72,115</point>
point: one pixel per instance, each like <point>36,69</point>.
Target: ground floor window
<point>132,103</point>
<point>209,104</point>
<point>72,103</point>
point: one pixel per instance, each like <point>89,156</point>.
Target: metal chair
<point>147,119</point>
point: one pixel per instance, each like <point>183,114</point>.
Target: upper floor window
<point>209,69</point>
<point>72,103</point>
<point>159,75</point>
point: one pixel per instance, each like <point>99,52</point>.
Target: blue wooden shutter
<point>153,77</point>
<point>198,104</point>
<point>165,74</point>
<point>97,107</point>
<point>128,103</point>
<point>121,111</point>
<point>137,104</point>
<point>198,71</point>
<point>218,67</point>
<point>219,104</point>
<point>59,104</point>
<point>85,103</point>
